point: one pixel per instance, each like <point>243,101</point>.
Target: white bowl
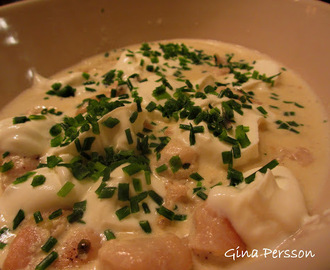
<point>49,35</point>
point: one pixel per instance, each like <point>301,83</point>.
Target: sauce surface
<point>162,141</point>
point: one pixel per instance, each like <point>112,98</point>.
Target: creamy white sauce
<point>265,212</point>
<point>271,207</point>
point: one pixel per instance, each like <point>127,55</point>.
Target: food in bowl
<point>170,154</point>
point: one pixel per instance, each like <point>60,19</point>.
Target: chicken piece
<point>176,192</point>
<point>213,236</point>
<point>77,244</point>
<point>24,247</point>
<point>78,247</point>
<point>302,155</point>
<point>166,252</point>
<point>22,164</point>
<point>187,154</point>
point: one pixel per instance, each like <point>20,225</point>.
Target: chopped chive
<point>155,197</point>
<point>106,192</point>
<point>20,216</point>
<point>50,243</point>
<point>246,106</point>
<point>7,166</point>
<point>137,185</point>
<point>123,191</point>
<point>109,235</point>
<point>80,205</point>
<point>87,144</point>
<point>180,217</point>
<point>270,165</point>
<point>5,154</point>
<point>133,117</point>
<point>235,176</point>
<point>146,208</point>
<point>123,96</point>
<point>134,201</point>
<point>255,74</point>
<point>196,176</point>
<point>56,86</point>
<point>236,151</point>
<point>55,130</point>
<point>241,136</point>
<point>150,68</point>
<point>294,130</point>
<point>189,84</point>
<point>198,129</point>
<point>89,89</point>
<point>147,177</point>
<point>20,120</point>
<point>201,195</point>
<point>132,168</point>
<point>175,163</point>
<point>78,211</point>
<point>145,226</point>
<point>160,93</point>
<point>293,123</point>
<point>23,178</point>
<point>217,184</point>
<point>283,126</point>
<point>37,217</point>
<point>99,189</point>
<point>291,113</point>
<point>192,139</point>
<point>55,142</point>
<point>2,245</point>
<point>298,105</point>
<point>123,212</point>
<point>37,117</point>
<point>151,106</point>
<point>165,212</point>
<point>55,214</point>
<point>65,189</point>
<point>85,75</point>
<point>146,130</point>
<point>75,216</point>
<point>134,204</point>
<point>38,180</point>
<point>185,127</point>
<point>79,171</point>
<point>53,161</point>
<point>3,230</point>
<point>161,168</point>
<point>129,136</point>
<point>262,110</point>
<point>227,157</point>
<point>113,93</point>
<point>110,122</point>
<point>47,261</point>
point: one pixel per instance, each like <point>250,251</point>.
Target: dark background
<point>3,2</point>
